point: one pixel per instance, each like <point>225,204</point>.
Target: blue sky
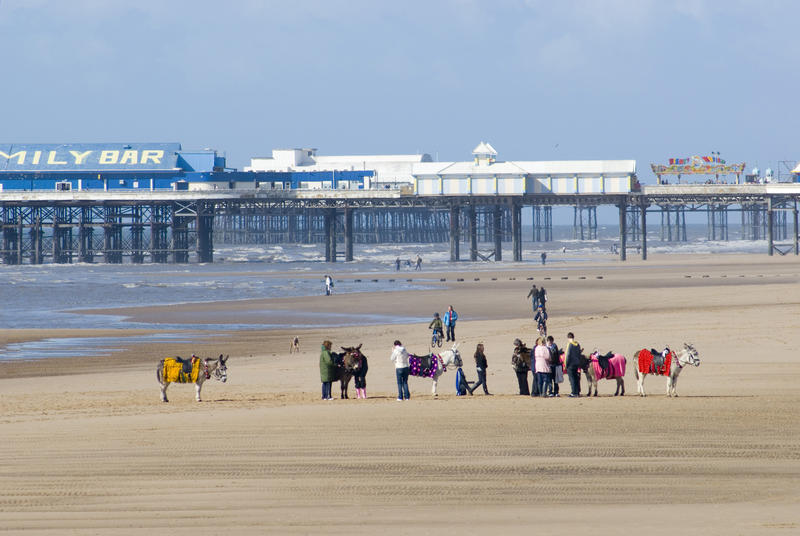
<point>540,80</point>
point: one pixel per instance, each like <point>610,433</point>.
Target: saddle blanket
<point>646,365</point>
<point>616,368</point>
<point>425,366</point>
<point>173,371</point>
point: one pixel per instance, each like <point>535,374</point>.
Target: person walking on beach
<point>328,285</point>
<point>520,362</point>
<point>400,358</point>
<point>480,366</point>
<point>541,356</point>
<point>573,364</point>
<point>544,257</point>
<point>450,318</point>
<point>327,370</point>
<point>542,297</point>
<point>533,294</point>
<point>419,263</point>
<point>397,264</point>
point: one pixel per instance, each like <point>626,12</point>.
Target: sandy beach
<point>88,448</point>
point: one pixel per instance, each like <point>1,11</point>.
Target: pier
<point>182,226</point>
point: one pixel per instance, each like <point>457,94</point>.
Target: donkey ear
<point>359,346</point>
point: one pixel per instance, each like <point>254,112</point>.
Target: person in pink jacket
<point>541,366</point>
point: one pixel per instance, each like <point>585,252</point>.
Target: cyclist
<point>436,326</point>
<point>541,320</point>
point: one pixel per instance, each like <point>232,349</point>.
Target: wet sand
<point>89,449</point>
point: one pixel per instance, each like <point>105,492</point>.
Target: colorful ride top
<point>698,165</point>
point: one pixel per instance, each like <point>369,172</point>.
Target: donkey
<point>438,367</point>
<point>686,356</point>
<point>347,364</point>
<point>171,370</point>
<point>614,371</point>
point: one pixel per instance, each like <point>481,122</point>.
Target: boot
<point>364,393</point>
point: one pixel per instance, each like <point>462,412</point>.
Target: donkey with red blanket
<point>610,366</point>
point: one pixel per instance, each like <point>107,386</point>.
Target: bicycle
<point>436,339</point>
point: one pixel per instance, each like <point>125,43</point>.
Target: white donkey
<point>448,358</point>
<point>686,356</point>
<point>205,368</point>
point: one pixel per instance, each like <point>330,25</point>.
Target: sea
<point>49,295</point>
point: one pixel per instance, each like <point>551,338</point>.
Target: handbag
<point>559,374</point>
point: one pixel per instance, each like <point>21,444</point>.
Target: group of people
<point>417,263</point>
<point>548,368</point>
<point>449,322</point>
<point>544,360</point>
<point>539,302</point>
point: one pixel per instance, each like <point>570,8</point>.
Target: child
<point>436,325</point>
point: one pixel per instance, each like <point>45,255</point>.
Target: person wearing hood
<point>400,358</point>
<point>327,370</point>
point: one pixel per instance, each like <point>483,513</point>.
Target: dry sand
<point>89,449</point>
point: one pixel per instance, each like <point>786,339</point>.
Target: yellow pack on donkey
<point>177,370</point>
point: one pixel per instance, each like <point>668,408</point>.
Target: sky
<point>540,80</point>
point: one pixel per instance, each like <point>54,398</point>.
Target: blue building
<point>146,166</point>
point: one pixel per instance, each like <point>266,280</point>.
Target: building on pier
<point>379,171</point>
<point>485,175</point>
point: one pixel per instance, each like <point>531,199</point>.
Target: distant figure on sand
<point>534,295</point>
<point>419,263</point>
<point>328,285</point>
<point>450,318</point>
<point>544,257</point>
<point>397,264</point>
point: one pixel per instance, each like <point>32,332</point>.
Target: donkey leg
<point>433,389</point>
<point>197,388</point>
<point>164,392</point>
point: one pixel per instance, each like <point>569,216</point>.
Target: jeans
<point>554,383</point>
<point>481,381</point>
<point>402,383</point>
<point>534,384</point>
<point>326,390</point>
<point>574,380</point>
<point>451,332</point>
<point>545,380</point>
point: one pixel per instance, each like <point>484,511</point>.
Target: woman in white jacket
<point>400,358</point>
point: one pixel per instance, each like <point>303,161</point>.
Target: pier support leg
<point>516,231</point>
<point>330,235</point>
<point>454,234</point>
<point>205,232</point>
<point>770,227</point>
<point>643,224</point>
<point>473,234</point>
<point>795,230</point>
<point>497,230</point>
<point>622,231</point>
<point>348,235</point>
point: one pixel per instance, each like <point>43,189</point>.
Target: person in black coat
<point>480,365</point>
<point>573,364</point>
<point>521,363</point>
